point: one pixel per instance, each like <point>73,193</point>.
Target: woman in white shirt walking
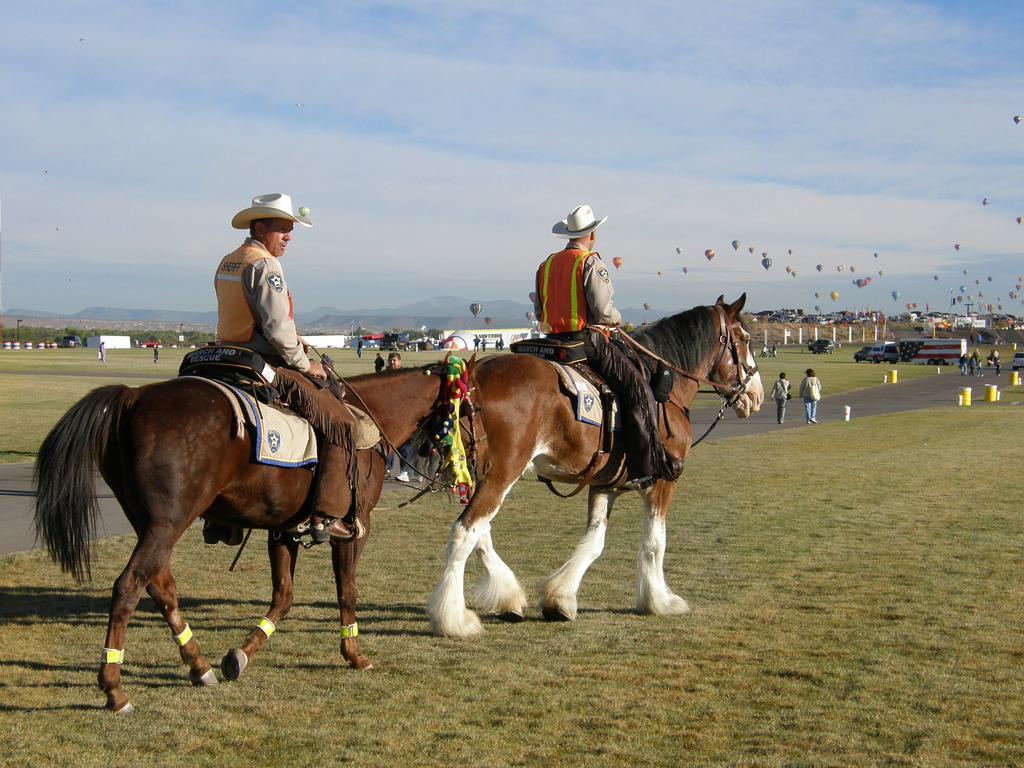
<point>810,391</point>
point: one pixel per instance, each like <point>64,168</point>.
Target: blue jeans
<point>810,409</point>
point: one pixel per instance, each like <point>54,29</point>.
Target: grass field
<point>38,386</point>
<point>857,600</point>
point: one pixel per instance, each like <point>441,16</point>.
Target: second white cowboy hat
<point>578,223</point>
<point>274,206</point>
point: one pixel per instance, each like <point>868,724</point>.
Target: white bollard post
<point>846,413</point>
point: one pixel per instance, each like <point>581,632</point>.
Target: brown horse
<point>169,453</point>
<point>525,422</point>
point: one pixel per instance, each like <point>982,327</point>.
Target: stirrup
<point>640,483</point>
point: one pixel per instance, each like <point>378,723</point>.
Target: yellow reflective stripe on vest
<point>574,310</point>
<point>545,293</point>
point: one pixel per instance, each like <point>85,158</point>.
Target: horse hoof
<point>362,664</point>
<point>233,664</point>
<point>127,709</point>
<point>512,617</point>
<point>208,678</point>
<point>554,614</point>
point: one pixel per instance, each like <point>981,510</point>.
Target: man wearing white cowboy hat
<point>254,310</point>
<point>574,292</point>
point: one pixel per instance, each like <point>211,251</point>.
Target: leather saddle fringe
<point>294,394</point>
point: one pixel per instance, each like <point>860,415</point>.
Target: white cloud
<point>436,149</point>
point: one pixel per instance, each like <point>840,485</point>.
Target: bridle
<point>731,393</point>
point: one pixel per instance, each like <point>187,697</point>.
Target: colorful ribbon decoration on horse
<point>449,436</point>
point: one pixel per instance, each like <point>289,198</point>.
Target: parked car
<point>882,352</point>
<point>1018,362</point>
<point>69,342</point>
<point>821,347</point>
<point>861,354</point>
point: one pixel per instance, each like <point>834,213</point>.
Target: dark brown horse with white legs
<point>524,422</point>
<point>170,454</point>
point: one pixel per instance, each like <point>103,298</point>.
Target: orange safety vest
<point>560,292</point>
<point>235,321</point>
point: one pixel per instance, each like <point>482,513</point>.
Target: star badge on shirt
<point>275,282</point>
<point>602,272</point>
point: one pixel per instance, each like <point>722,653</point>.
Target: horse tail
<point>66,509</point>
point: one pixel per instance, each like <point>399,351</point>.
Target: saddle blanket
<point>280,439</point>
<point>586,397</point>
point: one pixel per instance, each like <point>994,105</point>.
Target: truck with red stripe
<point>932,351</point>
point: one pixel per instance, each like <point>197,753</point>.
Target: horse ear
<point>737,306</point>
<point>471,365</point>
<point>720,299</point>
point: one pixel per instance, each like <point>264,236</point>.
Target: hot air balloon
<point>529,315</point>
<point>834,295</point>
<point>679,249</point>
<point>935,278</point>
<point>533,297</point>
<point>984,201</point>
<point>766,262</point>
<point>965,271</point>
<point>876,254</point>
<point>788,270</point>
<point>1020,219</point>
<point>709,254</point>
<point>956,246</point>
<point>817,308</point>
<point>475,308</point>
<point>659,273</point>
<point>647,305</point>
<point>909,305</point>
<point>488,320</point>
<point>817,295</point>
<point>735,245</point>
<point>617,261</point>
<point>840,267</point>
<point>1017,119</point>
<point>989,278</point>
<point>963,289</point>
<point>853,268</point>
<point>790,251</point>
<point>895,295</point>
<point>792,273</point>
<point>819,267</point>
<point>881,273</point>
<point>685,270</point>
<point>750,249</point>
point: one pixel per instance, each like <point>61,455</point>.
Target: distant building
<point>110,342</point>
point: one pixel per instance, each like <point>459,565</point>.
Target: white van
<point>883,352</point>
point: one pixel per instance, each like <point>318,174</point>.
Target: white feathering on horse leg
<point>558,593</point>
<point>498,591</point>
<point>653,595</point>
<point>447,605</point>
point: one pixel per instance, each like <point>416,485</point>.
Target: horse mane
<point>684,339</point>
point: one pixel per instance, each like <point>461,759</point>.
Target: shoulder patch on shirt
<point>274,281</point>
<point>602,272</point>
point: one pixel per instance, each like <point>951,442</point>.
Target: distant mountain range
<point>437,312</point>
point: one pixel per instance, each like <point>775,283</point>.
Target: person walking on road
<point>810,391</point>
<point>780,394</point>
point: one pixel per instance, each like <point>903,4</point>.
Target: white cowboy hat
<point>274,206</point>
<point>579,223</point>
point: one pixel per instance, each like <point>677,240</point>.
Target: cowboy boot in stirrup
<point>332,496</point>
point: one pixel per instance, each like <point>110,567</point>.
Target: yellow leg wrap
<point>112,656</point>
<point>351,630</point>
<point>267,626</point>
<point>184,637</point>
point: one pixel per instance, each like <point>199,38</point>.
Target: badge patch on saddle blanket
<point>282,439</point>
<point>584,394</point>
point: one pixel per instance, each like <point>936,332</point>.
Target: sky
<point>436,144</point>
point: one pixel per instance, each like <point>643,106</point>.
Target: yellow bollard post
<point>1015,379</point>
<point>965,393</point>
<point>892,378</point>
<point>991,393</point>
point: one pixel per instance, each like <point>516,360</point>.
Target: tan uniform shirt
<point>266,293</point>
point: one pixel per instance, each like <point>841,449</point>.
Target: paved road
<point>933,391</point>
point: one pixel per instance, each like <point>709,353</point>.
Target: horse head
<point>735,366</point>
